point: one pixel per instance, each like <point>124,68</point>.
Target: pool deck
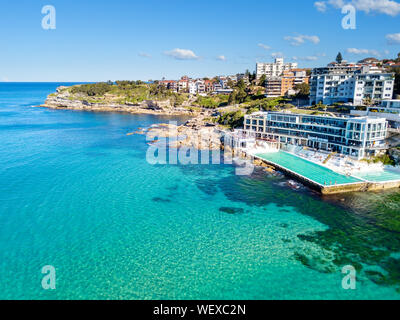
<point>362,185</point>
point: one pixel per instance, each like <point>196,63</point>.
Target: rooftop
<point>343,117</point>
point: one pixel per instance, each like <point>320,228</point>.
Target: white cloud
<point>389,7</point>
<point>221,58</point>
<point>301,39</point>
<point>307,58</point>
<point>264,46</point>
<point>337,3</point>
<point>321,6</point>
<point>363,51</point>
<point>144,55</point>
<point>182,54</point>
<point>393,38</point>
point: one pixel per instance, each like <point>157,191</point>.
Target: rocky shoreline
<point>198,132</point>
<point>62,100</point>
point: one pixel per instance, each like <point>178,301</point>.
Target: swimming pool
<point>384,176</point>
<point>312,171</point>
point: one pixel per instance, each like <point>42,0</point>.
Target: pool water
<point>310,170</point>
<point>383,176</point>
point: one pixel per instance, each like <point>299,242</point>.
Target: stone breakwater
<point>62,99</point>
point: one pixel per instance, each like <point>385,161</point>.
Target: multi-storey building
<point>274,69</point>
<point>284,85</point>
<point>224,82</point>
<point>169,84</point>
<point>273,87</point>
<point>374,86</point>
<point>183,85</point>
<point>357,137</point>
<point>201,87</point>
<point>209,85</point>
<point>350,83</point>
<point>192,87</point>
<point>217,86</point>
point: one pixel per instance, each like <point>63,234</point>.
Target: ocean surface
<point>77,193</point>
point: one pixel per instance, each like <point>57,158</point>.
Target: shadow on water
<point>363,228</point>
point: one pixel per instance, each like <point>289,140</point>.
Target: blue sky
<point>126,39</point>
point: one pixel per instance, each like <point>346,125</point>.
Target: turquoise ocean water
<point>77,193</point>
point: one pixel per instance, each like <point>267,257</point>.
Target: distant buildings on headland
<point>365,83</point>
<point>217,85</point>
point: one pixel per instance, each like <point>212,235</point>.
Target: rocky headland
<point>64,99</point>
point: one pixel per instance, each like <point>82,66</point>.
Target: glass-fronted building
<point>357,137</point>
<point>387,106</point>
<point>388,109</point>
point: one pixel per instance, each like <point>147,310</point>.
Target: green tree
<point>241,84</point>
<point>339,58</point>
<point>232,119</point>
<point>232,98</point>
<point>303,90</point>
<point>262,81</point>
<point>241,96</point>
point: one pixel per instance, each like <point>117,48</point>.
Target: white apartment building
<point>350,83</point>
<point>192,87</point>
<point>196,87</point>
<point>183,85</point>
<point>274,69</point>
<point>200,86</point>
<point>375,86</point>
<point>224,82</point>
